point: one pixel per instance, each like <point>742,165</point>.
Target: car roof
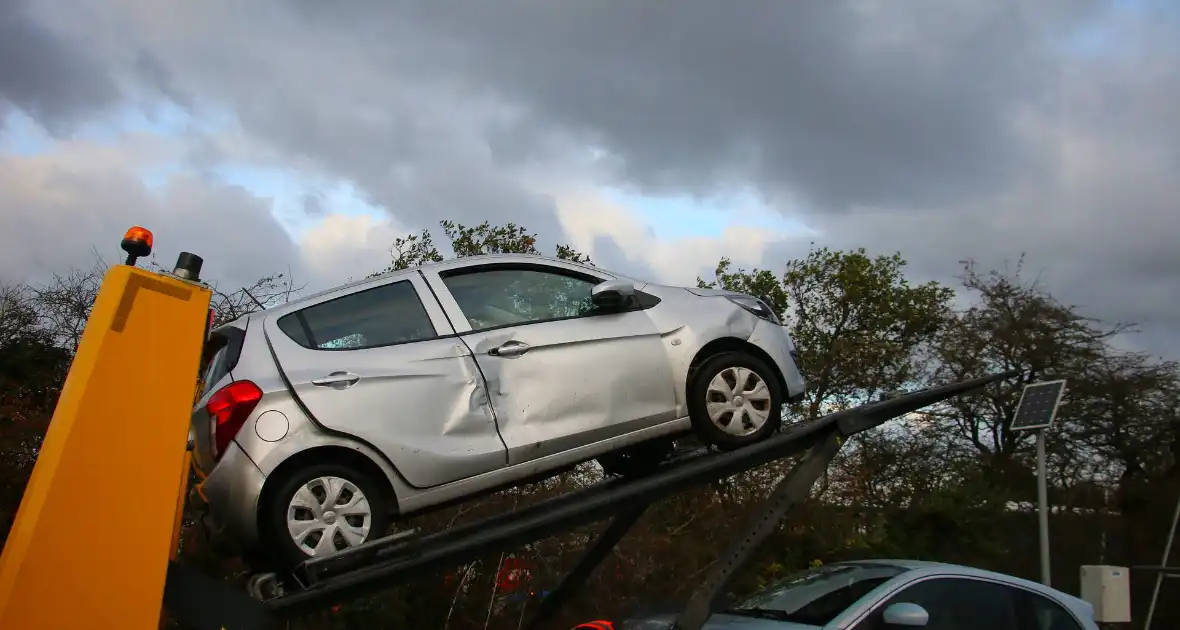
<point>450,263</point>
<point>927,567</point>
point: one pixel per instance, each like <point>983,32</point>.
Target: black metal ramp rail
<point>334,581</point>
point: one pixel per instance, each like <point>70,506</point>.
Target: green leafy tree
<point>419,249</point>
<point>760,283</point>
<point>858,322</point>
<point>1124,410</point>
<point>1011,324</point>
<point>537,298</point>
<point>32,369</point>
<point>411,251</point>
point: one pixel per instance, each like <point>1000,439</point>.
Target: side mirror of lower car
<point>905,615</point>
<point>612,294</point>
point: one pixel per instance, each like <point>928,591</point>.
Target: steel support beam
<point>597,502</point>
<point>594,555</point>
<point>788,493</point>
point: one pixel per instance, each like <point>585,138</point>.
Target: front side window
<point>382,316</point>
<point>492,298</point>
<point>816,596</point>
<point>955,604</point>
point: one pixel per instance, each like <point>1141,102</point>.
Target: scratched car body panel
<point>444,430</point>
<point>458,378</point>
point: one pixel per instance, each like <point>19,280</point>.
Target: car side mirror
<point>905,615</point>
<point>612,294</point>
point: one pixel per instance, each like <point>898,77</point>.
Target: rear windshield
<point>214,369</point>
<point>220,356</point>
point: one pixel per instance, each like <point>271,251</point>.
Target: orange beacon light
<point>137,242</point>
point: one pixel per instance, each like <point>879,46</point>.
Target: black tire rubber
<point>638,460</point>
<point>282,552</point>
<point>698,391</point>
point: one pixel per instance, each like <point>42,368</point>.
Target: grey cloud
<point>153,73</point>
<point>950,129</point>
<point>313,205</point>
<point>67,214</point>
<point>608,255</point>
<point>325,99</point>
<point>828,100</point>
<point>46,75</point>
<point>1098,209</point>
<point>363,110</point>
<point>234,231</point>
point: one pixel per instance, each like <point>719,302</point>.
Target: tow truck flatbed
<point>389,561</point>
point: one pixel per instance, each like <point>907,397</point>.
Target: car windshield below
<point>816,596</point>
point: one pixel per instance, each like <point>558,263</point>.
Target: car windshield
<point>816,596</point>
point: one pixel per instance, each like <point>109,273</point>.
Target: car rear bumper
<point>227,502</point>
<point>776,343</point>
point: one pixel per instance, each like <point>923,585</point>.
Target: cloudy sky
<point>657,135</point>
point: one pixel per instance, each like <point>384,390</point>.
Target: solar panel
<point>1038,405</point>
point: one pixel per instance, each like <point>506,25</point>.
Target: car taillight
<point>229,408</point>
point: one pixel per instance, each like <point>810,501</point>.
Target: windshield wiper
<point>760,613</point>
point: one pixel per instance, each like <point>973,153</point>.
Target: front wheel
<point>322,510</point>
<point>734,400</point>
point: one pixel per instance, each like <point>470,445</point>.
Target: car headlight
<point>755,306</point>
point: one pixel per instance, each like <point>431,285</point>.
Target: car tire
<point>363,522</point>
<point>716,400</point>
<point>638,460</point>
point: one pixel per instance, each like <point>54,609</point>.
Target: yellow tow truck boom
<point>100,517</point>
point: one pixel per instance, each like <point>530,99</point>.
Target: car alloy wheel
<point>328,514</point>
<point>738,401</point>
<point>734,399</point>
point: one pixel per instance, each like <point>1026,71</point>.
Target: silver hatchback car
<point>322,420</point>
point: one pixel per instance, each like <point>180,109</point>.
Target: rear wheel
<point>321,510</point>
<point>734,399</point>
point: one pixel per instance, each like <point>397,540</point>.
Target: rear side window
<point>383,316</point>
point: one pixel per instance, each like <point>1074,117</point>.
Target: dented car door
<point>559,374</point>
<point>413,390</point>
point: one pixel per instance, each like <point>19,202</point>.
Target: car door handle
<point>336,378</point>
<point>510,349</point>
